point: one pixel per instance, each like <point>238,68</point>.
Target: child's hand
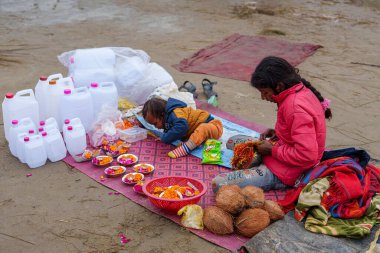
<point>269,133</point>
<point>265,148</point>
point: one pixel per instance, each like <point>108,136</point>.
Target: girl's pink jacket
<point>301,129</point>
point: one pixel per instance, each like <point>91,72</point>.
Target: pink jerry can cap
<point>94,85</point>
<point>26,138</point>
<point>69,128</point>
<point>67,121</point>
<point>42,123</point>
<point>67,91</point>
<point>14,122</point>
<point>9,95</point>
<point>43,78</point>
<point>31,131</point>
<point>44,134</point>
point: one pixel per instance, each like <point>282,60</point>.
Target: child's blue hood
<point>174,103</point>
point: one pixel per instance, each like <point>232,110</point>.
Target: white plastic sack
<point>129,70</point>
<point>94,65</point>
<point>119,52</point>
<point>154,76</point>
<point>129,52</point>
<point>171,90</point>
<point>94,58</point>
<point>84,77</point>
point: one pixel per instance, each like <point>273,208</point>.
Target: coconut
<point>231,187</point>
<point>254,196</point>
<point>230,199</point>
<point>217,221</point>
<point>274,210</point>
<point>251,221</point>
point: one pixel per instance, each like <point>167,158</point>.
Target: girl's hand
<point>265,148</point>
<point>269,133</point>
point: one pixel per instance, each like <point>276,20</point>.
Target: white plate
<point>128,178</point>
<point>138,168</point>
<point>114,168</point>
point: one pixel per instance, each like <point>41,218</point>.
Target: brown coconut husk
<point>254,196</point>
<point>275,211</point>
<point>231,187</point>
<point>252,221</point>
<point>230,200</point>
<point>217,221</point>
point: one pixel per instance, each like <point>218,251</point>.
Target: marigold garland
<point>244,154</point>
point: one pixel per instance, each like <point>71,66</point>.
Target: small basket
<point>173,205</point>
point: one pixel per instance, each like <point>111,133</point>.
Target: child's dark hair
<point>155,107</point>
<point>273,70</point>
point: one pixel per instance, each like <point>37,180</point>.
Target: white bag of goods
<point>154,76</point>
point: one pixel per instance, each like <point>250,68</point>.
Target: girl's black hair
<point>273,70</point>
<point>155,107</point>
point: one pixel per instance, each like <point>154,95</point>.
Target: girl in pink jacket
<point>299,134</point>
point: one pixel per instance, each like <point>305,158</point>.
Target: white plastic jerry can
<point>51,123</point>
<point>70,122</point>
<point>77,103</point>
<point>103,94</point>
<point>21,105</point>
<point>21,138</point>
<point>54,94</point>
<point>54,145</point>
<point>19,126</point>
<point>34,151</point>
<point>41,93</point>
<point>75,139</point>
<point>12,143</point>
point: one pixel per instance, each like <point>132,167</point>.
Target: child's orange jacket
<point>181,121</point>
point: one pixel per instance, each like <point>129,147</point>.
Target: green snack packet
<point>212,153</point>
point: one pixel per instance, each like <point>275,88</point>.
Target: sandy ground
<point>61,210</point>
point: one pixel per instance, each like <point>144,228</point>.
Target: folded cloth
<point>352,187</point>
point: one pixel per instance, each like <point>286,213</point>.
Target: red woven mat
<point>237,56</point>
<point>153,152</point>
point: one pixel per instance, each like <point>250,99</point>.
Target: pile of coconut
<point>244,211</point>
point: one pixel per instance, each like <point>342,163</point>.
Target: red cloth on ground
<point>237,56</point>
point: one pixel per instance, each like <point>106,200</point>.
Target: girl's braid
<point>328,113</point>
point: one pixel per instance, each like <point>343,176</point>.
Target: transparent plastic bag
<point>104,129</point>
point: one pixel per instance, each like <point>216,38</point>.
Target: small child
<point>181,123</point>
